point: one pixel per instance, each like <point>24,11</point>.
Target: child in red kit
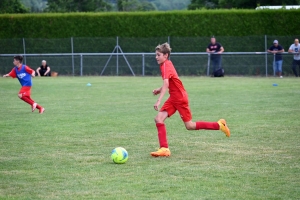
<point>24,74</point>
<point>178,100</point>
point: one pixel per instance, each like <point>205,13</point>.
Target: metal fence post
<point>72,47</point>
<point>143,65</point>
<point>266,55</point>
<point>81,64</point>
<point>117,70</point>
<point>208,63</point>
<point>24,48</point>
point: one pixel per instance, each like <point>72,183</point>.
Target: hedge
<point>151,24</point>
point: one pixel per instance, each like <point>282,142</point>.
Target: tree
<point>12,6</point>
<point>135,5</point>
<point>171,4</point>
<point>77,6</point>
<point>35,5</point>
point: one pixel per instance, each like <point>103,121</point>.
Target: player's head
<point>18,60</point>
<point>275,43</point>
<point>213,40</point>
<point>44,62</point>
<point>162,52</point>
<point>296,41</point>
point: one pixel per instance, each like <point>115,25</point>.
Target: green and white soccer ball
<point>119,155</point>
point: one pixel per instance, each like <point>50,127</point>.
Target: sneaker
<point>42,110</point>
<point>161,152</point>
<point>223,127</point>
<point>33,106</point>
<point>281,77</point>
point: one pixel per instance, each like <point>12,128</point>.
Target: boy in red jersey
<point>178,100</point>
<point>24,74</point>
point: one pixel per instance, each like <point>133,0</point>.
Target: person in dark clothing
<point>44,69</point>
<point>215,49</point>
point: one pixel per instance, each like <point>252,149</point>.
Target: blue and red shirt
<point>23,74</point>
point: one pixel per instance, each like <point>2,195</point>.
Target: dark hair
<point>19,58</point>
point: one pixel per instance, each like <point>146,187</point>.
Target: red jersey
<point>176,88</point>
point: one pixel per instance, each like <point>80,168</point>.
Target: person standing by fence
<point>295,48</point>
<point>277,49</point>
<point>215,49</point>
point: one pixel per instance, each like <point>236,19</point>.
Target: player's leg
<point>24,94</point>
<point>166,111</point>
<point>186,116</point>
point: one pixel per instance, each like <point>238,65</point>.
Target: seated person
<point>44,69</point>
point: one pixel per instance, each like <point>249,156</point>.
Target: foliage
<point>151,24</point>
<point>12,6</point>
<point>77,6</point>
<point>171,4</point>
<point>135,5</point>
<point>35,5</point>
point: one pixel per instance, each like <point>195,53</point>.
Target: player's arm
<point>163,90</point>
<point>30,71</point>
<point>12,74</point>
<point>156,91</point>
<point>6,75</point>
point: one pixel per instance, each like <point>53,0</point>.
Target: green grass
<point>65,153</point>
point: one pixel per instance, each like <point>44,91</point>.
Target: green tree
<point>12,6</point>
<point>135,5</point>
<point>77,6</point>
<point>35,5</point>
<point>171,4</point>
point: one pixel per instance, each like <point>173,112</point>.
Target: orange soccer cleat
<point>223,127</point>
<point>161,152</point>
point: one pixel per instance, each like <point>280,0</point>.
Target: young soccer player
<point>178,100</point>
<point>24,74</point>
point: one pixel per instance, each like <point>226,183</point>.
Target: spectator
<point>277,49</point>
<point>44,69</point>
<point>294,48</point>
<point>215,49</point>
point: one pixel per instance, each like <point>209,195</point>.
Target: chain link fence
<point>243,56</point>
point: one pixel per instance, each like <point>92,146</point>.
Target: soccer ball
<point>119,155</point>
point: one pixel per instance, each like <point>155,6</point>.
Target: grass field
<point>65,153</point>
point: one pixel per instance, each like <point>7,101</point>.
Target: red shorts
<point>170,106</point>
<point>25,90</point>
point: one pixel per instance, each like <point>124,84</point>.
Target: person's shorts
<point>170,106</point>
<point>25,90</point>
